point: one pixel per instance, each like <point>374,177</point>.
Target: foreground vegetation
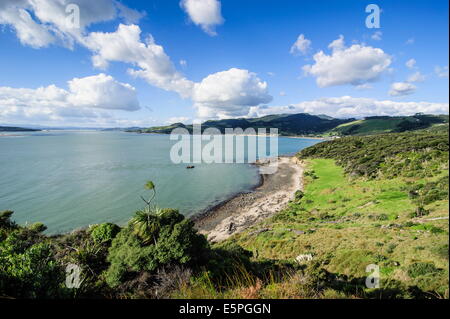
<point>367,200</point>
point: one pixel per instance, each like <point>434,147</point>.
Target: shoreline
<point>245,209</point>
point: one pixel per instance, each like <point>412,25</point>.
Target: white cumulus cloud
<point>149,58</point>
<point>204,13</point>
<point>27,30</point>
<point>301,45</point>
<point>355,65</point>
<point>402,88</point>
<point>39,23</point>
<point>229,94</point>
<point>102,91</point>
<point>86,99</point>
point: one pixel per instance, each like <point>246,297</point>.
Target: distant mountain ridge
<point>303,124</point>
<point>16,129</point>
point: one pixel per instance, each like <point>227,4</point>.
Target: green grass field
<point>354,223</point>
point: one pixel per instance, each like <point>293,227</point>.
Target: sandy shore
<point>244,210</point>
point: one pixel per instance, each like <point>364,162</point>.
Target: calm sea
<point>71,179</point>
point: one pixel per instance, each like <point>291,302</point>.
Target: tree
<point>29,270</point>
<point>152,240</point>
<point>145,225</point>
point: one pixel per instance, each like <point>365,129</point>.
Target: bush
<point>299,195</point>
<point>38,227</point>
<point>151,241</point>
<point>104,233</point>
<point>29,271</point>
<point>388,155</point>
<point>5,220</point>
<point>224,257</point>
<point>421,268</point>
<point>442,251</point>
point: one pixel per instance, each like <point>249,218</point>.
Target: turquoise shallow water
<point>69,180</point>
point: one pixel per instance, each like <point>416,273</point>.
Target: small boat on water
<point>191,166</point>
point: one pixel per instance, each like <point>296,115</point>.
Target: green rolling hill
<point>388,124</point>
<point>317,125</point>
<point>287,124</point>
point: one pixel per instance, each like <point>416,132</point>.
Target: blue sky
<point>237,61</point>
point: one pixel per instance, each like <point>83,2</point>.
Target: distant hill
<point>112,129</point>
<point>16,129</point>
<point>287,124</point>
<point>317,125</point>
<point>387,124</point>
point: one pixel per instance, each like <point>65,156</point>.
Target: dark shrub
<point>421,268</point>
<point>104,233</point>
<point>29,270</point>
<point>153,240</point>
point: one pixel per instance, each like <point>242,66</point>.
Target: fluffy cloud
<point>222,94</point>
<point>86,99</point>
<point>402,88</point>
<point>153,64</point>
<point>355,65</point>
<point>205,13</point>
<point>301,45</point>
<point>39,23</point>
<point>102,91</point>
<point>347,106</point>
<point>49,25</point>
<point>229,93</point>
<point>27,30</point>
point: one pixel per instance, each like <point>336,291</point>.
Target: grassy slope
<point>368,126</point>
<point>377,125</point>
<point>347,223</point>
<point>354,222</point>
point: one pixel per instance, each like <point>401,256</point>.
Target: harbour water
<point>71,179</point>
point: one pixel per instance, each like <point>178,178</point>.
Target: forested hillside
<point>316,125</point>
